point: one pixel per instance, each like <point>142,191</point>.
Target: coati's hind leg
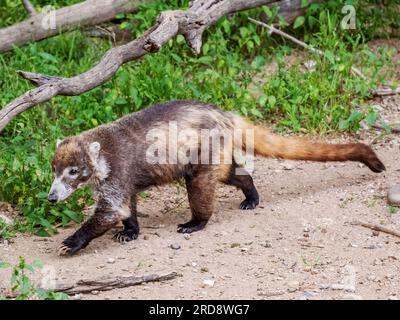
<point>241,179</point>
<point>131,225</point>
<point>201,192</point>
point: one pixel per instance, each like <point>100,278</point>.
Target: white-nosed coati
<point>113,159</point>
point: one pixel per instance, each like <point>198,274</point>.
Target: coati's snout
<point>73,166</point>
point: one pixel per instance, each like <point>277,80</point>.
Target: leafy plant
<point>22,286</point>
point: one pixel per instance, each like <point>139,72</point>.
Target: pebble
<point>175,246</point>
<point>266,244</point>
<point>186,236</point>
<point>145,237</point>
<point>77,297</point>
<point>209,282</point>
<point>95,292</point>
<point>111,260</point>
<point>393,195</point>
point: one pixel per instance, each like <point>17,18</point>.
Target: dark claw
<point>125,236</point>
<point>191,226</point>
<point>249,204</point>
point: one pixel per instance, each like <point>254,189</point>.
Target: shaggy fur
<point>112,159</point>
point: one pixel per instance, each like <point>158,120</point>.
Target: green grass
<point>234,51</point>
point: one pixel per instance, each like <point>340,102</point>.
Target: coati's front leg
<point>131,225</point>
<point>104,218</point>
<point>243,181</point>
<point>201,192</point>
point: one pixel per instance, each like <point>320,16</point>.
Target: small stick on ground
<point>392,130</point>
<point>87,286</point>
<point>377,227</point>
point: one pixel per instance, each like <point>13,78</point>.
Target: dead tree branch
<point>29,7</point>
<point>50,23</point>
<point>392,130</point>
<point>87,286</point>
<point>190,23</point>
<point>376,227</point>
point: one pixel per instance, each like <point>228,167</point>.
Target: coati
<point>114,160</point>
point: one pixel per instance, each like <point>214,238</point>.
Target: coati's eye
<point>73,172</point>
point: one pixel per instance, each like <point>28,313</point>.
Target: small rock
<point>209,282</point>
<point>175,246</point>
<point>95,292</point>
<point>100,266</point>
<point>375,233</point>
<point>393,195</point>
<point>266,244</point>
<point>77,297</point>
<point>194,264</point>
<point>145,237</point>
<point>393,298</point>
<point>186,236</point>
<point>111,260</point>
<point>244,249</point>
<point>287,166</point>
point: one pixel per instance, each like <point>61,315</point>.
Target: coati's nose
<point>52,197</point>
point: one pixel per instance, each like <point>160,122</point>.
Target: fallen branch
<point>190,23</point>
<point>107,284</point>
<point>386,91</point>
<point>29,7</point>
<point>39,25</point>
<point>376,227</point>
<point>87,286</point>
<point>392,130</point>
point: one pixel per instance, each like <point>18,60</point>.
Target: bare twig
<point>392,130</point>
<point>377,228</point>
<point>386,91</point>
<point>87,286</point>
<point>107,284</point>
<point>272,29</point>
<point>29,7</point>
<point>190,23</point>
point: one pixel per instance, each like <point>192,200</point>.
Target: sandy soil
<point>298,244</point>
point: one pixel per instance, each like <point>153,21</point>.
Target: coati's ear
<point>94,150</point>
<point>58,142</point>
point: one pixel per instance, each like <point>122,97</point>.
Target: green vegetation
<point>234,52</point>
<point>22,286</point>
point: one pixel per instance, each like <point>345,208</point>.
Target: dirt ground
<point>300,242</point>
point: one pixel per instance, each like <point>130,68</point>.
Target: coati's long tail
<point>273,146</point>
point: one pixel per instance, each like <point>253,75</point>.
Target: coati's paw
<point>67,250</point>
<point>64,250</point>
<point>191,226</point>
<point>249,204</point>
<point>125,236</point>
<point>70,246</point>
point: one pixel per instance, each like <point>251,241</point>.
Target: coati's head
<point>74,164</point>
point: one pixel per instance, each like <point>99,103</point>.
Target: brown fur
<point>124,146</point>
